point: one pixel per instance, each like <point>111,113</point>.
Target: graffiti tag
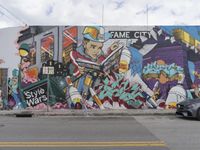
<point>36,95</point>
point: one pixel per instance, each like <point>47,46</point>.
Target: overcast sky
<point>82,12</point>
<point>88,12</point>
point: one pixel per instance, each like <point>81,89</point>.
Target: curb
<point>135,112</point>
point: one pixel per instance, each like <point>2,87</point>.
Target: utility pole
<point>102,15</point>
<point>147,13</point>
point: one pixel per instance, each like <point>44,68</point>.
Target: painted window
<point>32,53</point>
<point>47,48</point>
<point>69,39</point>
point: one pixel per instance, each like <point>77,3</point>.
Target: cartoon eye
<point>93,46</point>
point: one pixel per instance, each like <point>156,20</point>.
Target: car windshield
<point>195,99</point>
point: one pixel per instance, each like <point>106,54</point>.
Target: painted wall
<point>111,67</point>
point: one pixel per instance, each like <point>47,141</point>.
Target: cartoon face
<point>93,48</point>
<point>25,63</point>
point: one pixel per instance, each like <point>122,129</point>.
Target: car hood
<point>191,101</point>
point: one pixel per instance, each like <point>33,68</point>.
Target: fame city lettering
<point>129,34</point>
<point>35,97</point>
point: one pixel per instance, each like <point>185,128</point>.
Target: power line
<point>3,14</point>
<point>12,14</point>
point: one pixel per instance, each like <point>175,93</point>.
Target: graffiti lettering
<point>105,67</point>
<point>120,35</point>
<point>129,34</point>
<point>137,35</point>
<point>36,95</point>
<point>32,94</point>
<point>34,101</point>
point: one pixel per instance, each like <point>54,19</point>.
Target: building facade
<point>110,67</point>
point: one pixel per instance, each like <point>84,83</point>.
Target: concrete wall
<point>111,67</point>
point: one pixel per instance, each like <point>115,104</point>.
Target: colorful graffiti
<point>14,99</point>
<point>95,67</point>
<point>162,72</point>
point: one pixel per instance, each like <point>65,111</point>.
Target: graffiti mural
<point>110,67</point>
<point>14,98</point>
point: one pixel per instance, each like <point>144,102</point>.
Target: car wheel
<point>198,114</point>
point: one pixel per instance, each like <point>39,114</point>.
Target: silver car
<point>189,108</point>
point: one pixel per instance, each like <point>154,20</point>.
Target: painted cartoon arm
<point>78,70</point>
<point>112,47</point>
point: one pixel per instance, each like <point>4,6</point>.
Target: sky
<point>82,12</point>
<point>15,13</point>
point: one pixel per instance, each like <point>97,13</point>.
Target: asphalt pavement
<point>179,133</point>
<point>76,133</point>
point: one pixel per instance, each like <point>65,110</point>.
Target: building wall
<point>3,85</point>
<point>110,67</point>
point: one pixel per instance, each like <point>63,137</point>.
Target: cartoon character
<point>25,63</point>
<point>29,75</point>
<point>13,85</point>
<point>91,48</point>
<point>156,91</point>
<point>176,93</point>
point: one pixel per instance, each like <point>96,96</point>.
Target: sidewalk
<point>130,112</point>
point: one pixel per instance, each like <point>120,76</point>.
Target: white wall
<point>8,48</point>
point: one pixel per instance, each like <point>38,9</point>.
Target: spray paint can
<point>155,86</point>
<point>124,61</point>
<point>97,100</point>
<point>87,84</point>
<point>156,91</point>
<point>73,93</point>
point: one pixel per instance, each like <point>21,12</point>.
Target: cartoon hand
<point>32,52</point>
<point>114,46</point>
<point>81,69</point>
